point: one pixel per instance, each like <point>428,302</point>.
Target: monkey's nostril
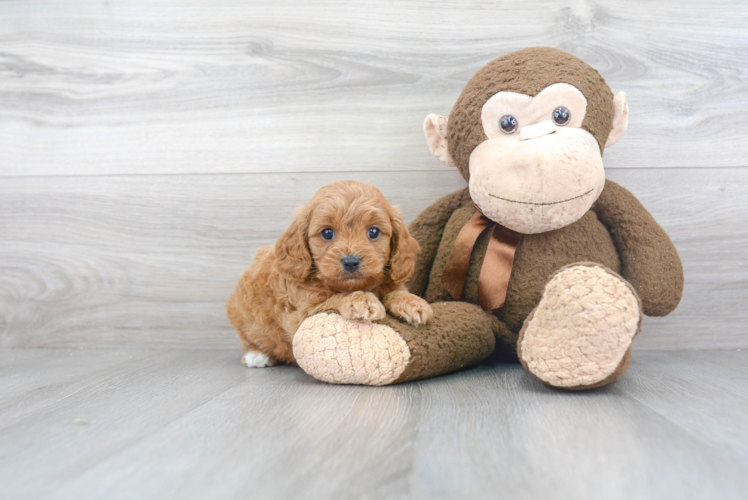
<point>351,263</point>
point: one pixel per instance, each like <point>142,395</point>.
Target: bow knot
<point>497,263</point>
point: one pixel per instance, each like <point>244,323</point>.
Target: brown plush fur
<point>617,232</point>
<point>458,336</point>
<point>303,274</point>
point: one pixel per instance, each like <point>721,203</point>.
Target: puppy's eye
<point>561,116</point>
<point>374,233</point>
<point>508,124</point>
<point>327,234</point>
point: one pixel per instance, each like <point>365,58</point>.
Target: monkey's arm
<point>427,229</point>
<point>649,260</point>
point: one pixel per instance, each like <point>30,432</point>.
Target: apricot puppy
<point>347,251</point>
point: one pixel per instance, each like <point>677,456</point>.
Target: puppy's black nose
<point>351,263</point>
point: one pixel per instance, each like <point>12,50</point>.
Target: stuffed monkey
<point>540,258</point>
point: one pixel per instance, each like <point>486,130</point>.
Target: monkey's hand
<point>649,260</point>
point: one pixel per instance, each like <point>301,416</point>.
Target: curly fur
<point>303,274</point>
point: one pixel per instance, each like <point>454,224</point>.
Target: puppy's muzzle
<point>351,263</point>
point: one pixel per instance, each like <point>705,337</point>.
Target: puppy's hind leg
<point>253,338</point>
<point>265,347</point>
<point>254,356</point>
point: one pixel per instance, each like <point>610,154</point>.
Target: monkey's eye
<point>374,233</point>
<point>508,124</point>
<point>561,116</point>
<point>327,234</point>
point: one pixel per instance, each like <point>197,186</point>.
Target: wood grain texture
<point>716,384</point>
<point>30,375</point>
<point>197,424</point>
<point>148,148</point>
<point>296,86</point>
<point>150,260</point>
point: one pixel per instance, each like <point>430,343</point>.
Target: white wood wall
<point>148,148</point>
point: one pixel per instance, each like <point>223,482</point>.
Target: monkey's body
<point>527,133</point>
<point>530,272</point>
<point>539,256</point>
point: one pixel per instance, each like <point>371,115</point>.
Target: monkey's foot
<point>342,351</point>
<point>579,336</point>
<point>337,350</point>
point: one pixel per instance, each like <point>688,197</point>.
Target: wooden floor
<point>196,424</point>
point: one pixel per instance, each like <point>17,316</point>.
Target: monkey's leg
<point>506,342</point>
<point>579,336</point>
<point>341,351</point>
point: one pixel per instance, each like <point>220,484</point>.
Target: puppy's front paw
<point>362,305</point>
<point>409,307</point>
<point>255,359</point>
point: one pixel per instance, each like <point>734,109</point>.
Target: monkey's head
<point>528,134</point>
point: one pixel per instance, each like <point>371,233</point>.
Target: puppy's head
<point>350,238</point>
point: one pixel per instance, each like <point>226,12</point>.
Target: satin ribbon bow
<point>497,264</point>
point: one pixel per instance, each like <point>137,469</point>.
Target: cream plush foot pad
<point>341,351</point>
<point>582,327</point>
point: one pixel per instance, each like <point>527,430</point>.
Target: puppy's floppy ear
<point>292,257</point>
<point>404,249</point>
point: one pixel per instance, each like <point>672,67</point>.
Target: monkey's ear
<point>435,127</point>
<point>292,257</point>
<point>620,118</point>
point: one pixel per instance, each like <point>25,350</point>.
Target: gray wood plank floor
<point>109,423</point>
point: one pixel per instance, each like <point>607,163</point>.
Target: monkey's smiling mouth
<point>541,204</point>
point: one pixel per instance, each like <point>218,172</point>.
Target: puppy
<point>347,251</point>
